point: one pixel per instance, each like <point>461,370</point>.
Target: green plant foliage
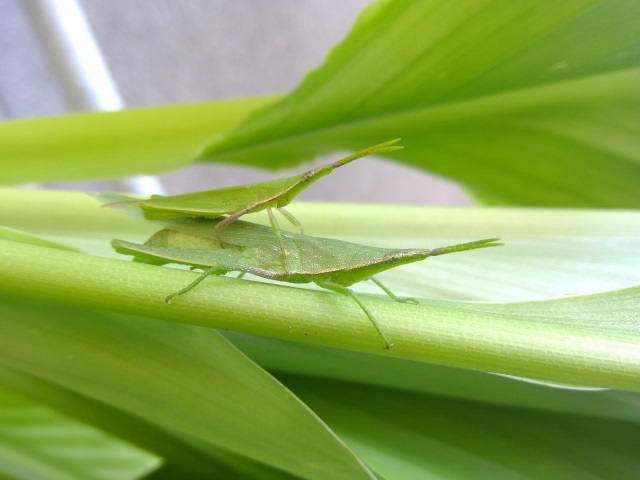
<point>182,456</point>
<point>38,442</point>
<point>526,103</point>
<point>582,338</point>
<point>113,144</point>
<point>188,379</point>
<point>292,358</point>
<point>407,435</point>
<point>23,237</point>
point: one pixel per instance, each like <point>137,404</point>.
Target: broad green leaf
<point>181,457</point>
<point>527,102</point>
<point>187,379</point>
<point>588,336</point>
<point>406,435</point>
<point>312,361</point>
<point>113,144</point>
<point>38,442</point>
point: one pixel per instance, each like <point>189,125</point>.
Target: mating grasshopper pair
<point>250,248</point>
<point>242,199</point>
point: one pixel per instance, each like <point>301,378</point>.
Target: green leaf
<point>113,144</point>
<point>37,442</point>
<point>23,237</point>
<point>182,457</point>
<point>406,435</point>
<point>312,361</point>
<point>583,337</point>
<point>188,379</point>
<point>528,103</point>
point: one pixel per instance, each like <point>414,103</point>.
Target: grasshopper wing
<point>225,260</point>
<point>213,203</point>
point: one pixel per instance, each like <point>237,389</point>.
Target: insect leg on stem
<point>391,294</point>
<point>205,274</point>
<point>346,291</point>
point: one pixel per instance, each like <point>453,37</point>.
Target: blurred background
<point>160,52</point>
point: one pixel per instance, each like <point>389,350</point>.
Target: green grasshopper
<point>239,200</point>
<point>331,264</point>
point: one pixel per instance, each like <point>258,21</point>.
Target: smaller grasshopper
<point>331,264</point>
<point>239,200</point>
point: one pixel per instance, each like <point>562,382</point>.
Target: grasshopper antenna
<point>461,247</point>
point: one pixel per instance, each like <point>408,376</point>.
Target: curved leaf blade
<point>185,378</point>
<point>407,435</point>
<point>525,102</point>
<point>181,456</point>
<point>312,361</point>
<point>113,144</point>
<point>38,442</point>
<point>18,236</point>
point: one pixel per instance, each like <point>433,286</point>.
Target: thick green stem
<point>530,339</point>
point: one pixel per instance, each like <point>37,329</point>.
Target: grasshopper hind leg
<point>192,285</point>
<point>350,293</point>
<point>289,216</point>
<point>391,294</point>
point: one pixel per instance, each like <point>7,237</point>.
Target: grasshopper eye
<point>392,257</point>
<point>308,176</point>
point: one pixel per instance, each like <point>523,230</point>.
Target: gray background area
<point>172,51</point>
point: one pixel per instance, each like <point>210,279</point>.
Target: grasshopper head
<point>401,257</point>
<point>303,182</point>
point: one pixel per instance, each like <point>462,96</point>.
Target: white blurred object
<point>79,67</point>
